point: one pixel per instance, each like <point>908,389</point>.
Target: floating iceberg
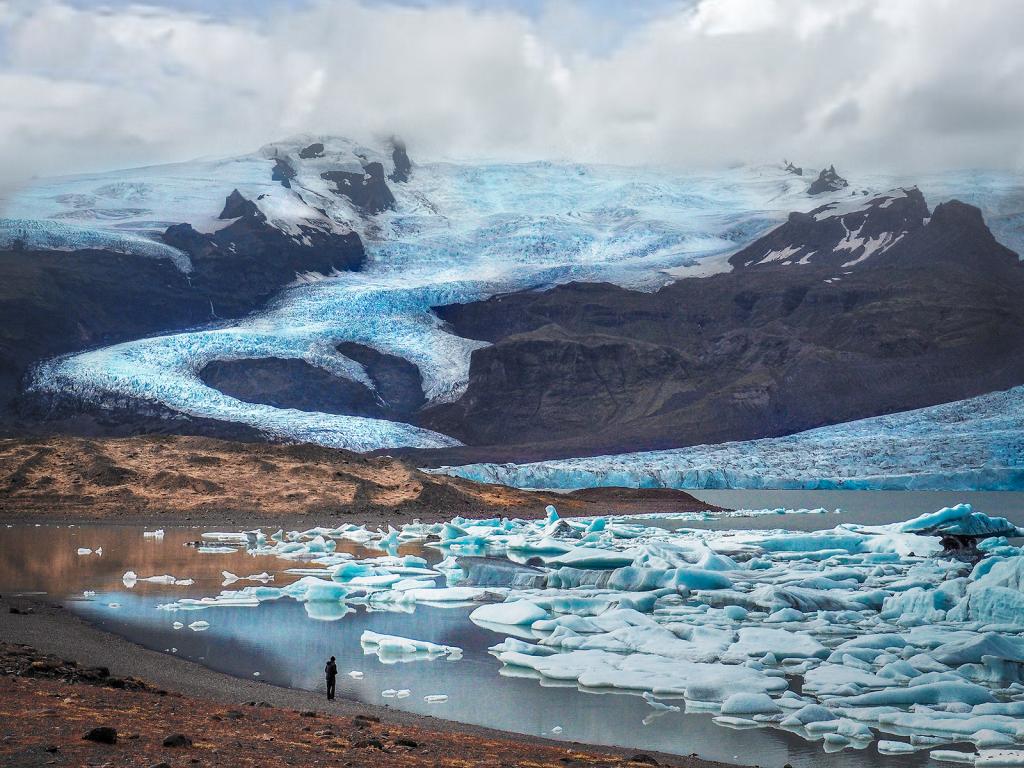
<point>391,649</point>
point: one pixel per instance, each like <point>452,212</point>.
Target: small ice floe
<point>403,693</point>
<point>255,674</point>
<point>199,626</point>
<point>391,649</point>
<point>113,605</point>
<point>157,534</point>
<point>355,674</point>
<point>557,730</point>
<point>177,625</point>
<point>658,706</point>
<point>231,578</point>
<point>131,578</point>
<point>952,756</point>
<point>436,698</point>
<point>390,693</point>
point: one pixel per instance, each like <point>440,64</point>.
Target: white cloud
<point>863,83</point>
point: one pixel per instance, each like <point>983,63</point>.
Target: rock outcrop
<point>368,190</point>
<point>828,181</point>
<point>242,264</point>
<point>283,172</point>
<point>402,163</point>
<point>839,235</point>
<point>312,151</point>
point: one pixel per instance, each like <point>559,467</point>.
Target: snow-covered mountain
<point>841,233</point>
<point>362,245</point>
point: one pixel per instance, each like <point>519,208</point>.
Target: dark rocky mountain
<point>838,235</point>
<point>242,264</point>
<point>401,161</point>
<point>771,348</point>
<point>828,181</point>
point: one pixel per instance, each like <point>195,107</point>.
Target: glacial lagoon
<point>283,640</point>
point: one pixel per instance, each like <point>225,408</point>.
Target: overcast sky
<point>897,85</point>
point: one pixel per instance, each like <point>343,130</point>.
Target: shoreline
<point>47,626</point>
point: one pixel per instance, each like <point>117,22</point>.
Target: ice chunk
<point>749,704</point>
<point>392,648</point>
<point>515,612</point>
<point>952,756</point>
<point>887,747</point>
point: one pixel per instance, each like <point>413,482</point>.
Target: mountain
<point>847,312</point>
<point>109,262</point>
<point>319,290</point>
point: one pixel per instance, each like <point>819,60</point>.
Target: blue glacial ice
<point>887,637</point>
<point>970,444</point>
<point>459,232</point>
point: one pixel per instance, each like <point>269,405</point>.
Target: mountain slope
<point>975,444</point>
<point>774,347</point>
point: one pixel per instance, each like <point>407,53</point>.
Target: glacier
<point>459,232</point>
<point>849,636</point>
<point>969,444</point>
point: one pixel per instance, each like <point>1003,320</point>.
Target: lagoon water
<point>287,646</point>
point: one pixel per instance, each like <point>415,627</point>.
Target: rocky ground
<point>55,711</point>
<point>170,479</point>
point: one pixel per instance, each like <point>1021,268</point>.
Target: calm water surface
<point>286,645</point>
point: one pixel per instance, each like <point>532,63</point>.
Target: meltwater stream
<point>285,641</point>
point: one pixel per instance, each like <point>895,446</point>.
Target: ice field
<point>459,232</point>
<point>853,636</point>
<point>970,444</point>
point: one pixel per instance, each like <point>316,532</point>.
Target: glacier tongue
<point>969,444</point>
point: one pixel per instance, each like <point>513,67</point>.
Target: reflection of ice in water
<point>458,234</point>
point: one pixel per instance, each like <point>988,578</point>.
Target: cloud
<point>867,84</point>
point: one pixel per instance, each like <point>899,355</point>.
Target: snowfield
<point>970,444</point>
<point>845,636</point>
<point>458,233</point>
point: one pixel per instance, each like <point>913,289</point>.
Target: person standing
<point>331,672</point>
